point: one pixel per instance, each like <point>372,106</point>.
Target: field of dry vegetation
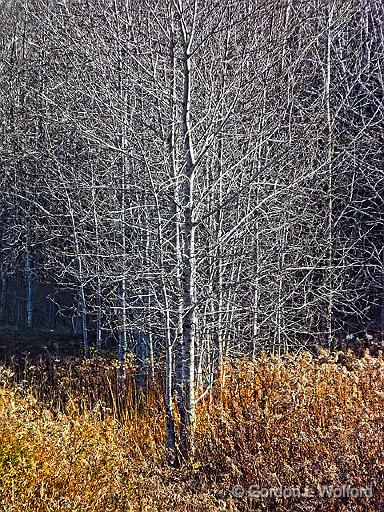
<point>294,423</point>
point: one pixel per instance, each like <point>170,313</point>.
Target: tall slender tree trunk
<point>29,286</point>
<point>83,315</point>
<point>82,306</point>
<point>122,28</point>
<point>178,344</point>
<point>187,412</point>
<point>122,290</point>
<point>330,307</point>
<point>98,270</point>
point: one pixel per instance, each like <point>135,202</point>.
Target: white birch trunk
<point>187,412</point>
<point>330,308</point>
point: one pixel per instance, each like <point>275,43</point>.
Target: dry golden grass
<point>67,444</point>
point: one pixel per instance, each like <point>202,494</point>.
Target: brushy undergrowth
<point>298,422</point>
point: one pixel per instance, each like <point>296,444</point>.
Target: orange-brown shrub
<point>293,422</point>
